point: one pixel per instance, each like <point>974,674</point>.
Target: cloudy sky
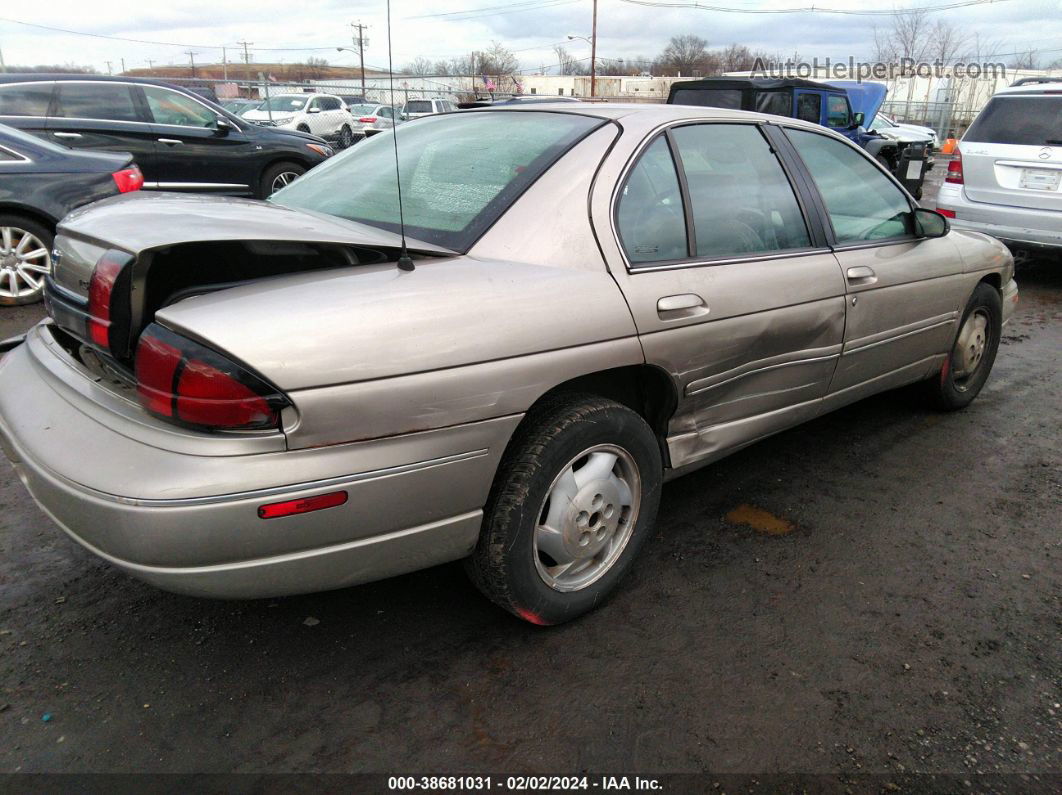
<point>292,30</point>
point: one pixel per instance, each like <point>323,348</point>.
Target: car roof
<point>1033,88</point>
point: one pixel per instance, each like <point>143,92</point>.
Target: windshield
<point>1031,120</point>
<point>283,103</point>
<point>418,106</point>
<point>459,173</point>
<point>880,123</point>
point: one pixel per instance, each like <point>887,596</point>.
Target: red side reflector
<point>128,179</point>
<point>291,507</point>
<point>946,213</point>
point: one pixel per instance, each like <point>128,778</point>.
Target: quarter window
<point>836,111</point>
<point>741,200</point>
<point>650,217</point>
<point>863,204</point>
<point>25,100</point>
<point>809,107</point>
<point>169,107</point>
<point>106,101</point>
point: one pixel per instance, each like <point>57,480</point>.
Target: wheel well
<point>993,279</point>
<point>40,218</point>
<point>643,388</point>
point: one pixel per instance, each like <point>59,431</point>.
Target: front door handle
<point>170,141</point>
<point>861,274</point>
<point>675,307</point>
<point>67,135</point>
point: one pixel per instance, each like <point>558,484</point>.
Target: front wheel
<point>279,176</point>
<point>574,499</point>
<point>346,138</point>
<point>967,367</point>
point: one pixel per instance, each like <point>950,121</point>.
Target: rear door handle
<point>170,141</point>
<point>67,135</point>
<point>675,307</point>
<point>861,274</point>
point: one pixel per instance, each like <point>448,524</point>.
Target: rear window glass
<point>1029,120</point>
<point>777,102</point>
<point>418,106</point>
<point>709,97</point>
<point>106,101</point>
<point>25,100</point>
<point>459,173</point>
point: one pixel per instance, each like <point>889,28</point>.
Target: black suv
<point>180,140</point>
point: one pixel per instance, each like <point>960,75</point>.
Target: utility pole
<point>123,65</point>
<point>593,54</point>
<point>108,67</point>
<point>150,63</point>
<point>359,42</point>
<point>246,59</point>
<point>224,65</point>
<point>2,67</point>
<point>191,55</point>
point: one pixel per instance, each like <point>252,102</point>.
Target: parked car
<point>324,115</point>
<point>1006,177</point>
<point>416,108</point>
<point>240,106</point>
<point>505,102</point>
<point>582,315</point>
<point>181,141</point>
<point>905,134</point>
<point>914,128</point>
<point>372,119</point>
<point>40,182</point>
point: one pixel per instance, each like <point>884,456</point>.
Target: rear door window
<point>104,101</point>
<point>1032,120</point>
<point>741,200</point>
<point>25,99</point>
<point>777,102</point>
<point>863,204</point>
<point>650,216</point>
<point>809,107</point>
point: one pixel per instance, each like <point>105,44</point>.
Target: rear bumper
<point>1016,225</point>
<point>413,501</point>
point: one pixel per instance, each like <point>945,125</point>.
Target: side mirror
<point>930,223</point>
<point>858,119</point>
<point>222,126</point>
<point>314,109</point>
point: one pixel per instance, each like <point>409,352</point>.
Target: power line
<point>813,9</point>
<point>488,11</point>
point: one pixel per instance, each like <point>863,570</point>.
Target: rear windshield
<point>418,106</point>
<point>459,173</point>
<point>1029,120</point>
<point>709,97</point>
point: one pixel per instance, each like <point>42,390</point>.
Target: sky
<point>282,30</point>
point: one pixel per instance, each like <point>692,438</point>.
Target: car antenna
<point>405,262</point>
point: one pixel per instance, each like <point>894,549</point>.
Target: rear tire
<point>23,267</point>
<point>574,500</point>
<point>973,353</point>
<point>277,176</point>
<point>346,138</point>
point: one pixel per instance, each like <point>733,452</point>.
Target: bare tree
<point>945,42</point>
<point>566,63</point>
<point>497,60</point>
<point>419,66</point>
<point>687,55</point>
<point>1030,59</point>
<point>907,36</point>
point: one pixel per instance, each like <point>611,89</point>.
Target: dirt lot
<point>906,619</point>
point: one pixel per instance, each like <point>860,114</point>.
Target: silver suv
<point>1006,178</point>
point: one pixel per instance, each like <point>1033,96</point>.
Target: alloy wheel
<point>587,518</point>
<point>282,180</point>
<point>24,263</point>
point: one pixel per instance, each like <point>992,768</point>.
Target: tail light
<point>128,179</point>
<point>368,119</point>
<point>184,381</point>
<point>954,174</point>
<point>101,308</point>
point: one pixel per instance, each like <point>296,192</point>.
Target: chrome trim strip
<point>902,332</point>
<point>702,385</point>
<point>339,480</point>
<point>165,185</point>
<point>18,157</point>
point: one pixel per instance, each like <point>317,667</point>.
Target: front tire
<point>573,502</point>
<point>278,176</point>
<point>25,259</point>
<point>346,138</point>
<point>973,353</point>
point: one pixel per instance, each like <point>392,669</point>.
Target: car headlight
<point>325,151</point>
<point>279,120</point>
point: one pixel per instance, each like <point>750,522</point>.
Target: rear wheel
<point>346,138</point>
<point>574,499</point>
<point>967,367</point>
<point>25,259</point>
<point>278,176</point>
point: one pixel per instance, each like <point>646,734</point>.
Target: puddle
<point>760,520</point>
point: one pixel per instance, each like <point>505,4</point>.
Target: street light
<point>592,41</point>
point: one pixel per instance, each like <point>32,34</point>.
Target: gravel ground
<point>876,592</point>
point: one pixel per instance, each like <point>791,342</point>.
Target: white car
<point>415,108</point>
<point>1006,178</point>
<point>906,134</point>
<point>324,115</point>
<point>370,119</point>
<point>913,128</point>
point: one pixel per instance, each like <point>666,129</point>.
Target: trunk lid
<point>1012,153</point>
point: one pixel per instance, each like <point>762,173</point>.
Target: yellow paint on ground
<point>760,520</point>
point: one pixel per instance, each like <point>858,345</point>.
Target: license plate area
<point>1040,179</point>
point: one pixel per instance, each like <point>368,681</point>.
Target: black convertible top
<point>766,83</point>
